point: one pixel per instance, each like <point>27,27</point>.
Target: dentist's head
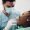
<point>8,3</point>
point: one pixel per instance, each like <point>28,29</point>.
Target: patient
<point>24,20</point>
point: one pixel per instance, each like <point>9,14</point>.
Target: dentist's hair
<point>4,1</point>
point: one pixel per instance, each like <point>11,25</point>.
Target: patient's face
<point>25,19</point>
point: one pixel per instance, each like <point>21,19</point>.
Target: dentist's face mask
<point>8,10</point>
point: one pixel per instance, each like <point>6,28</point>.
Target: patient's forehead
<point>23,10</point>
<point>27,12</point>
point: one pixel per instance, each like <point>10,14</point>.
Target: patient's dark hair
<point>29,12</point>
<point>4,1</point>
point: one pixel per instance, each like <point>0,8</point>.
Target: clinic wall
<point>23,5</point>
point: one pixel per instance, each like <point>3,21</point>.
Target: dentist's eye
<point>8,6</point>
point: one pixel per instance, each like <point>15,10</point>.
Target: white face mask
<point>11,11</point>
<point>8,10</point>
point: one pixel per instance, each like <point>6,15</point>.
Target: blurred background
<point>21,5</point>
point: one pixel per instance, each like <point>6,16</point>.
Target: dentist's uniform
<point>4,19</point>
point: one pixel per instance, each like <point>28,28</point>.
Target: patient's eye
<point>28,11</point>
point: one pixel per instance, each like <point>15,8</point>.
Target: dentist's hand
<point>10,23</point>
